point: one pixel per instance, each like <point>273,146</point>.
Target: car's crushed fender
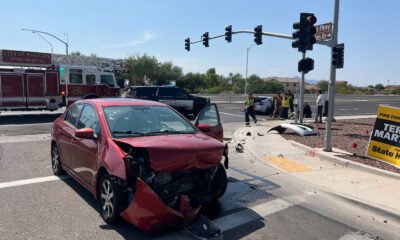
<point>150,214</point>
<point>113,160</point>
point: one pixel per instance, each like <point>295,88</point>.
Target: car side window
<point>181,94</point>
<point>88,118</point>
<point>73,114</point>
<point>167,92</point>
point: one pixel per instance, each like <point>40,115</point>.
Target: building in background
<point>291,84</point>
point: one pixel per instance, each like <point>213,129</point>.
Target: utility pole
<point>247,67</point>
<point>332,81</point>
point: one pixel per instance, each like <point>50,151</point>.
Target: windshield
<point>136,121</point>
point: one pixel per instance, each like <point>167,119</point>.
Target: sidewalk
<point>380,190</point>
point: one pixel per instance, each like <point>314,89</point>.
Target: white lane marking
<point>355,236</point>
<point>251,214</point>
<point>25,138</point>
<point>231,114</point>
<point>32,181</point>
<point>349,109</point>
<point>239,218</point>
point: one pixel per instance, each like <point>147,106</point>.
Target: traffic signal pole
<point>301,105</point>
<point>332,81</point>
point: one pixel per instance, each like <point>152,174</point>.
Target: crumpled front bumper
<point>150,214</point>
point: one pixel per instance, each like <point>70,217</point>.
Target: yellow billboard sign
<point>384,143</point>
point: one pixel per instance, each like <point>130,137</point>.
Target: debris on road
<point>299,129</point>
<point>239,148</point>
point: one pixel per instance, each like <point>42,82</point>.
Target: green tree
<point>140,66</point>
<point>212,78</point>
<point>323,85</point>
<point>167,72</point>
<point>77,53</point>
<point>379,87</point>
<point>255,84</point>
<point>192,82</point>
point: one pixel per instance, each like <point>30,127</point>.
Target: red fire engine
<point>32,80</point>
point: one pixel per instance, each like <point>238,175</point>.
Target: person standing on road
<point>249,109</point>
<point>285,106</point>
<point>320,105</point>
<point>277,105</point>
<point>291,98</point>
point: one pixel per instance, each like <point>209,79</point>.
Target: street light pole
<point>66,51</point>
<point>247,67</point>
<point>44,39</point>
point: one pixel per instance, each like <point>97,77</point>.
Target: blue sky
<point>118,29</point>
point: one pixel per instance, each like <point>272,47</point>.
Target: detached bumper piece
<point>299,129</point>
<point>203,228</point>
<point>150,214</point>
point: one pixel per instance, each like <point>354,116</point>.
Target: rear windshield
<point>145,92</point>
<point>136,121</point>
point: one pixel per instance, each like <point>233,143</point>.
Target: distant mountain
<point>312,81</point>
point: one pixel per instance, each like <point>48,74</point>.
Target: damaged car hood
<point>179,152</point>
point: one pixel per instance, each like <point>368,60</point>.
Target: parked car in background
<point>175,97</point>
<point>142,160</point>
<point>263,104</point>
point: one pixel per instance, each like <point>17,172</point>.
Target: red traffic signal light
<point>304,36</point>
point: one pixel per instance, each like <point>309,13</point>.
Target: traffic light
<point>338,55</point>
<point>228,33</point>
<point>306,65</point>
<point>62,72</point>
<point>187,44</point>
<point>304,36</point>
<point>258,35</point>
<point>205,39</point>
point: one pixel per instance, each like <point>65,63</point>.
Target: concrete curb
<point>343,162</point>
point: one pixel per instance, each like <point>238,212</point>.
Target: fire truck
<point>33,80</point>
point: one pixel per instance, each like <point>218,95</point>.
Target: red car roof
<point>105,102</point>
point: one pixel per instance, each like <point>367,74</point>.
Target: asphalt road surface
<point>278,207</point>
<point>259,203</point>
<point>345,105</point>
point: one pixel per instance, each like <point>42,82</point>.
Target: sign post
<point>324,32</point>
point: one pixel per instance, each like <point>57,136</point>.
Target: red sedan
<point>142,160</point>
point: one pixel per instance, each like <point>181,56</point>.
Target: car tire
<point>112,201</point>
<point>220,182</point>
<point>55,161</point>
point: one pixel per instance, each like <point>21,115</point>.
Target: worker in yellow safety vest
<point>249,109</point>
<point>285,106</point>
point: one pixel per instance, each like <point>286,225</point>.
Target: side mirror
<point>86,133</point>
<point>205,127</point>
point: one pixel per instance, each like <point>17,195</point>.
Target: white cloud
<point>145,37</point>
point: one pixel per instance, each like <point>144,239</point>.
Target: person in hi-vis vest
<point>249,109</point>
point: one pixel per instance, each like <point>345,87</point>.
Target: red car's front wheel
<point>55,160</point>
<point>111,199</point>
